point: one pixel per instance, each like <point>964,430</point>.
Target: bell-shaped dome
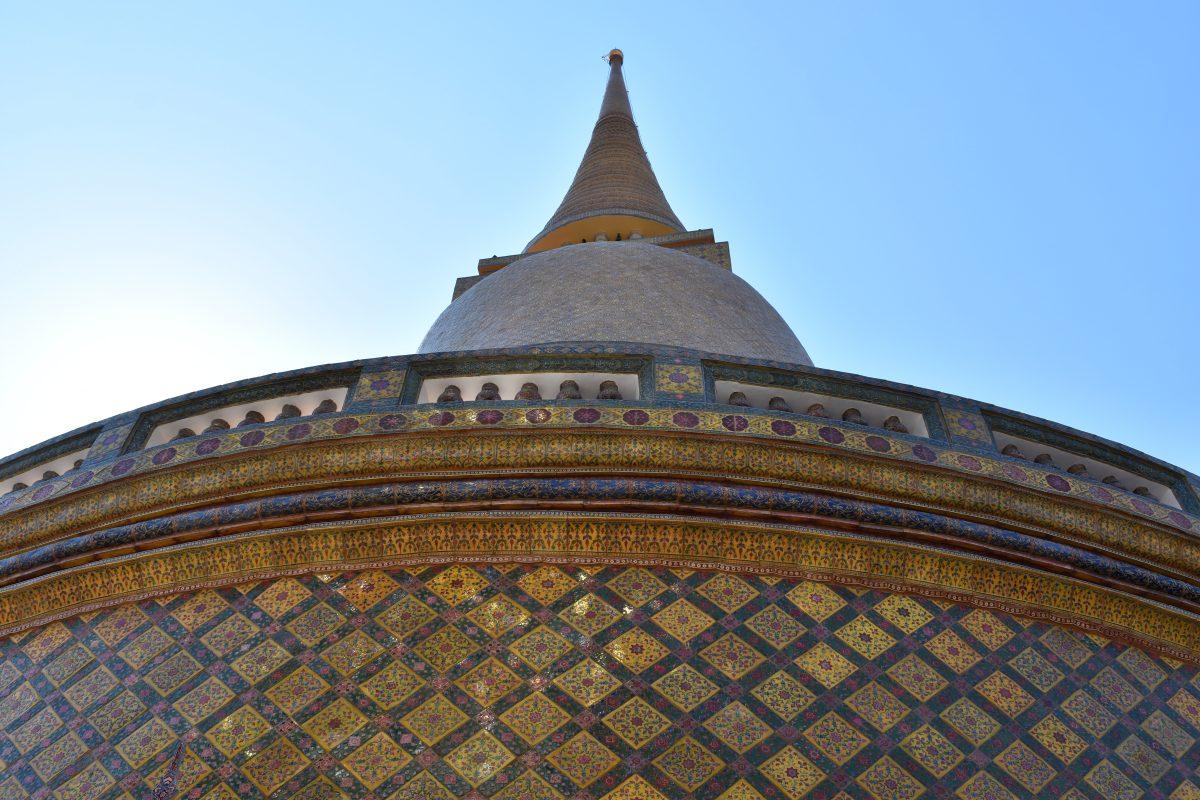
<point>616,292</point>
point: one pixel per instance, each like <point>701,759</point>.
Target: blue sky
<point>996,200</point>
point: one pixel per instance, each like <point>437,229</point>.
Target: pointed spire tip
<point>615,56</point>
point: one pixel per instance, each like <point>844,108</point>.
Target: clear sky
<point>997,200</point>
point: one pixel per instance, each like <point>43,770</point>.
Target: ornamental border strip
<point>751,423</point>
<point>556,538</point>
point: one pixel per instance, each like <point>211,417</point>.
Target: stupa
<point>609,534</point>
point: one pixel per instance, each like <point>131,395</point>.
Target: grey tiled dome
<point>616,291</point>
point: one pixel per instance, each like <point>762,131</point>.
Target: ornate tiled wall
<point>527,681</point>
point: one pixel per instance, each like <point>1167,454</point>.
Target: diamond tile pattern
<point>527,682</point>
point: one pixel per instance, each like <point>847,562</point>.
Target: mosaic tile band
<point>614,683</point>
<point>591,538</point>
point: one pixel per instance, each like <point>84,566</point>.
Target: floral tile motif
<point>737,727</point>
<point>91,782</point>
<point>144,647</point>
<point>456,583</point>
<point>589,615</point>
<point>535,718</point>
<point>203,701</point>
<point>172,673</point>
<point>199,609</point>
<point>972,722</point>
<point>1036,669</point>
<point>1025,766</point>
<point>1089,713</point>
<point>424,787</point>
<point>145,742</point>
<point>67,749</point>
<point>826,665</point>
<point>540,648</point>
<point>1054,735</point>
<point>1186,791</point>
<point>637,650</point>
<point>114,715</point>
<point>14,705</point>
<point>498,616</point>
<point>868,639</point>
<point>987,628</point>
<point>836,738</point>
<point>405,616</point>
<point>334,723</point>
<point>1116,690</point>
<point>688,763</point>
<point>93,686</point>
<point>904,612</point>
<point>315,624</point>
<point>587,682</point>
<point>279,597</point>
<point>887,779</point>
<point>637,586</point>
<point>229,635</point>
<point>320,789</point>
<point>446,649</point>
<point>546,584</point>
<point>1172,738</point>
<point>917,677</point>
<point>982,786</point>
<point>479,758</point>
<point>678,379</point>
<point>932,750</point>
<point>391,686</point>
<point>46,641</point>
<point>237,731</point>
<point>378,385</point>
<point>351,653</point>
<point>1142,667</point>
<point>635,787</point>
<point>777,627</point>
<point>1187,706</point>
<point>261,661</point>
<point>489,682</point>
<point>1005,693</point>
<point>297,690</point>
<point>792,773</point>
<point>434,719</point>
<point>1111,783</point>
<point>67,663</point>
<point>683,620</point>
<point>877,706</point>
<point>527,786</point>
<point>115,625</point>
<point>636,722</point>
<point>40,727</point>
<point>784,695</point>
<point>1141,756</point>
<point>816,599</point>
<point>583,759</point>
<point>190,772</point>
<point>727,592</point>
<point>274,765</point>
<point>742,790</point>
<point>366,589</point>
<point>949,647</point>
<point>376,760</point>
<point>732,655</point>
<point>1067,646</point>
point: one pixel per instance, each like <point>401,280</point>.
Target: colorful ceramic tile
<point>446,649</point>
<point>589,615</point>
<point>366,589</point>
<point>1004,693</point>
<point>887,779</point>
<point>987,628</point>
<point>1089,713</point>
<point>36,731</point>
<point>238,730</point>
<point>406,616</point>
<point>877,706</point>
<point>1142,758</point>
<point>229,634</point>
<point>949,647</point>
<point>315,624</point>
<point>635,787</point>
<point>46,641</point>
<point>1031,666</point>
<point>301,687</point>
<point>742,790</point>
<point>540,648</point>
<point>727,592</point>
<point>1054,735</point>
<point>982,786</point>
<point>489,682</point>
<point>203,701</point>
<point>275,765</point>
<point>904,612</point>
<point>816,599</point>
<point>826,665</point>
<point>836,738</point>
<point>932,750</point>
<point>636,722</point>
<point>89,783</point>
<point>479,758</point>
<point>199,609</point>
<point>422,787</point>
<point>587,682</point>
<point>261,661</point>
<point>334,723</point>
<point>351,653</point>
<point>1111,783</point>
<point>1116,690</point>
<point>1172,738</point>
<point>688,763</point>
<point>1142,667</point>
<point>1025,766</point>
<point>637,586</point>
<point>93,686</point>
<point>972,722</point>
<point>791,772</point>
<point>683,620</point>
<point>172,673</point>
<point>546,584</point>
<point>776,626</point>
<point>145,742</point>
<point>732,655</point>
<point>535,717</point>
<point>392,685</point>
<point>865,637</point>
<point>456,583</point>
<point>376,760</point>
<point>1067,646</point>
<point>67,663</point>
<point>144,647</point>
<point>279,597</point>
<point>636,650</point>
<point>434,719</point>
<point>116,713</point>
<point>917,677</point>
<point>784,695</point>
<point>737,727</point>
<point>526,786</point>
<point>498,616</point>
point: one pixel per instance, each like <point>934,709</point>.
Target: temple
<point>609,534</point>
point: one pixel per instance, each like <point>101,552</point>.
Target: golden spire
<point>614,191</point>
